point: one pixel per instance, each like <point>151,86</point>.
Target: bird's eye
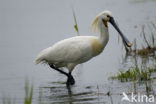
<point>108,16</point>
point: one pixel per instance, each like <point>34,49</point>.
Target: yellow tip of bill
<point>129,44</point>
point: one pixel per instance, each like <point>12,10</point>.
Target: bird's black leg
<point>70,79</point>
<point>53,67</point>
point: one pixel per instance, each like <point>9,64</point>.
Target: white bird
<point>76,50</point>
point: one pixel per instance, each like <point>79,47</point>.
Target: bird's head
<point>105,17</point>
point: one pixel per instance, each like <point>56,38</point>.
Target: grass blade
<point>75,21</point>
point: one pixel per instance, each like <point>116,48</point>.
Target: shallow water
<point>27,27</point>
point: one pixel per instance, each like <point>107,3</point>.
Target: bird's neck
<point>104,35</point>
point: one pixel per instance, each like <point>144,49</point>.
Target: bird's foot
<point>70,80</point>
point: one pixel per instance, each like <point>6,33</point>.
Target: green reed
<point>135,74</point>
<point>28,92</point>
<point>28,95</point>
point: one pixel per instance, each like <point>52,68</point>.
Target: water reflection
<point>58,93</point>
<point>143,62</point>
<point>30,27</point>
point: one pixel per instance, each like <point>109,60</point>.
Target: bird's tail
<point>38,60</point>
<point>42,56</point>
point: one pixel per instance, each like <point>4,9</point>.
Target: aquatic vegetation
<point>75,21</point>
<point>8,100</point>
<point>135,74</point>
<point>40,97</point>
<point>132,74</point>
<point>28,95</point>
<point>149,47</point>
<point>146,51</point>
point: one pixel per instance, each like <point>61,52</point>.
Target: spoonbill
<point>76,50</point>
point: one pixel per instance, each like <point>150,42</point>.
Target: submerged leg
<point>70,79</point>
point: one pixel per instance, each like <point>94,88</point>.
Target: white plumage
<point>69,52</point>
<point>79,49</point>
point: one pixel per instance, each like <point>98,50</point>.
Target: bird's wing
<point>70,50</point>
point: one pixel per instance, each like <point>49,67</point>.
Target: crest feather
<point>95,25</point>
